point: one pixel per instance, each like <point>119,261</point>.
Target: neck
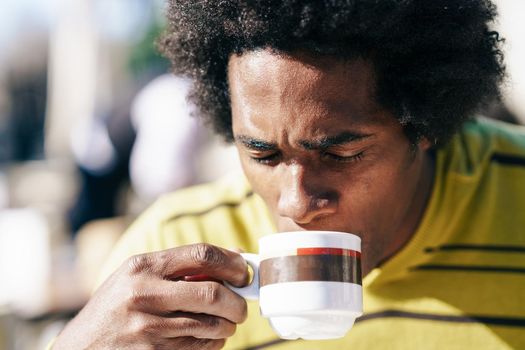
<point>415,213</point>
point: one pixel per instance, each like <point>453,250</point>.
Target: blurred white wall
<point>73,73</point>
<point>25,261</point>
<point>512,27</point>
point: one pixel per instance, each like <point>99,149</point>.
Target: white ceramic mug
<point>308,283</point>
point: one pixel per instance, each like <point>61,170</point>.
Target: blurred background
<point>92,130</point>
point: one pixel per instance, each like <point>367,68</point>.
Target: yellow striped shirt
<point>458,284</point>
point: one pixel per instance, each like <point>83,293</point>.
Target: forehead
<point>301,92</point>
<point>323,79</point>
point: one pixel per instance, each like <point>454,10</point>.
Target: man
<point>348,116</point>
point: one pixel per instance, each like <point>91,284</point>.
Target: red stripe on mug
<point>328,251</point>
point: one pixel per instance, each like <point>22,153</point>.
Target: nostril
<point>306,210</point>
<point>304,195</point>
<point>320,203</point>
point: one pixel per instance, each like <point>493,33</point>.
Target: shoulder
<point>482,143</point>
<point>232,189</point>
<point>480,185</point>
<point>500,136</point>
<point>195,213</point>
<point>225,213</point>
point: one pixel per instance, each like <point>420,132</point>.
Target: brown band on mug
<point>298,268</point>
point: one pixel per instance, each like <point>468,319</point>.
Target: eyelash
<point>265,160</point>
<point>349,159</point>
<point>357,157</point>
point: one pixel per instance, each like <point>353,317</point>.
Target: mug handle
<point>251,291</point>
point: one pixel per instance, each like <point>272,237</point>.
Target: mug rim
<point>341,234</point>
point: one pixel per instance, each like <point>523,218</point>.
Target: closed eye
<point>267,160</point>
<point>343,159</point>
<point>273,158</point>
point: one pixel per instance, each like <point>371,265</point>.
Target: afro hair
<point>436,62</point>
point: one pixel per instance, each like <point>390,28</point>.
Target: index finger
<point>195,259</point>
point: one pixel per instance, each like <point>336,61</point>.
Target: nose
<point>305,195</point>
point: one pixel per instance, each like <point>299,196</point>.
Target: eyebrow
<point>256,144</point>
<point>336,140</point>
<point>323,143</point>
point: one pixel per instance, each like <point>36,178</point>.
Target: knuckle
<point>210,293</point>
<point>212,326</point>
<point>212,323</point>
<point>154,328</point>
<point>139,327</point>
<point>146,328</point>
<point>137,297</point>
<point>217,327</point>
<point>189,324</point>
<point>139,263</point>
<point>165,260</point>
<point>205,255</point>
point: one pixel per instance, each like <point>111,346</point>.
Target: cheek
<point>376,197</point>
<point>260,179</point>
<point>361,200</point>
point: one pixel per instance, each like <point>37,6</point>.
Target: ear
<point>424,144</point>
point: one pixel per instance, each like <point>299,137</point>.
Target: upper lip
<point>319,223</point>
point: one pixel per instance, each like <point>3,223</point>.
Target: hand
<point>148,304</point>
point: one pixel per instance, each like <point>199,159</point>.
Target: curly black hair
<point>436,61</point>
